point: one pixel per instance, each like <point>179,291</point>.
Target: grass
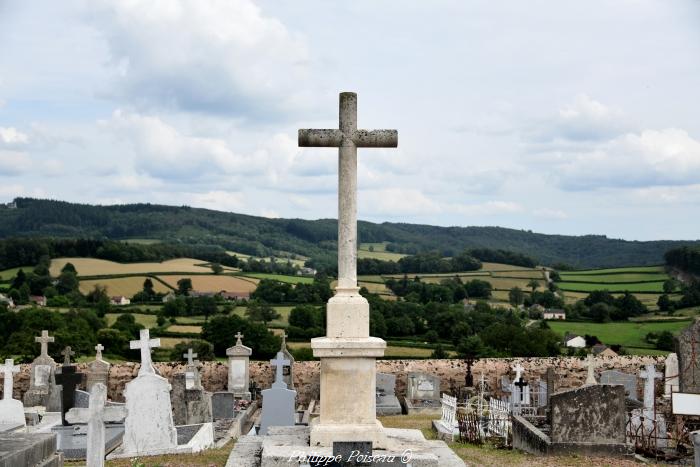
<point>126,286</point>
<point>645,287</point>
<point>627,334</point>
<point>281,278</point>
<point>638,269</point>
<point>213,283</point>
<point>148,321</point>
<point>614,278</point>
<point>9,274</point>
<point>283,321</point>
<point>171,342</point>
<point>101,267</point>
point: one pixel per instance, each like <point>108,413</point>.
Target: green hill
<point>316,239</point>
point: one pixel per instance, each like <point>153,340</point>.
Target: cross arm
<point>320,138</point>
<point>78,415</point>
<point>376,138</point>
<point>114,414</point>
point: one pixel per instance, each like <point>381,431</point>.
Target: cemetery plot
<point>101,267</point>
<point>122,286</point>
<point>213,283</point>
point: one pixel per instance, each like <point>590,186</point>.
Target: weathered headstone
<point>96,416</point>
<point>348,354</point>
<point>520,389</point>
<point>278,402</point>
<point>191,403</point>
<point>69,379</point>
<point>192,379</point>
<point>423,387</point>
<point>625,379</point>
<point>387,402</point>
<point>42,383</point>
<point>288,374</point>
<point>11,410</point>
<point>98,369</point>
<point>149,423</point>
<point>688,352</point>
<point>550,379</point>
<point>671,375</point>
<point>238,373</point>
<point>223,405</point>
<point>590,378</point>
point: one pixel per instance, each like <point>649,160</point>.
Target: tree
<point>670,286</point>
<point>220,331</point>
<point>516,296</point>
<point>439,352</point>
<point>67,282</point>
<point>665,303</point>
<point>600,312</point>
<point>534,284</point>
<point>148,287</point>
<point>184,286</point>
<point>217,268</point>
<point>203,349</point>
<point>68,267</point>
<point>127,324</point>
<point>261,311</point>
<point>665,341</point>
<point>471,347</point>
<point>305,317</point>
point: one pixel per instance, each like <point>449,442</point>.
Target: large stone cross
<point>238,337</point>
<point>99,348</point>
<point>190,357</point>
<point>279,363</point>
<point>96,416</point>
<point>44,339</point>
<point>8,369</point>
<point>649,374</point>
<point>67,354</point>
<point>145,343</point>
<point>348,138</point>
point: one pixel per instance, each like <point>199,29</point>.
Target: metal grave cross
<point>96,415</point>
<point>649,374</point>
<point>189,356</point>
<point>99,348</point>
<point>67,354</point>
<point>521,384</point>
<point>44,339</point>
<point>7,369</point>
<point>279,363</point>
<point>145,343</point>
<point>238,337</point>
<point>347,138</point>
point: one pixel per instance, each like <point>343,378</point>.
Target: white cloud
<point>14,163</point>
<point>549,213</point>
<point>220,56</point>
<point>10,136</point>
<point>219,200</point>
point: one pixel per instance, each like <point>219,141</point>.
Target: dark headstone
<point>353,453</point>
<point>82,399</point>
<point>589,414</point>
<point>69,380</point>
<point>688,351</point>
<point>223,405</point>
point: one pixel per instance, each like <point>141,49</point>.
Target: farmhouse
<point>306,272</point>
<point>574,340</point>
<point>119,301</point>
<point>602,350</point>
<point>234,295</point>
<point>169,297</point>
<point>38,300</point>
<point>7,301</point>
<point>554,314</point>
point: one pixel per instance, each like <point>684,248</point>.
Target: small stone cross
<point>145,343</point>
<point>279,363</point>
<point>99,348</point>
<point>7,369</point>
<point>96,416</point>
<point>347,138</point>
<point>67,354</point>
<point>44,340</point>
<point>649,374</point>
<point>238,337</point>
<point>590,379</point>
<point>190,356</point>
<point>518,371</point>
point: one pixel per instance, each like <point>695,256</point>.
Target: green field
<point>640,287</point>
<point>280,278</point>
<point>378,252</point>
<point>148,321</point>
<point>627,334</point>
<point>282,310</point>
<point>642,269</point>
<point>9,274</point>
<point>614,278</point>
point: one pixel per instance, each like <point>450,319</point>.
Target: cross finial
<point>190,356</point>
<point>279,363</point>
<point>518,371</point>
<point>348,138</point>
<point>145,343</point>
<point>284,341</point>
<point>44,339</point>
<point>67,353</point>
<point>239,336</point>
<point>99,348</point>
<point>8,369</point>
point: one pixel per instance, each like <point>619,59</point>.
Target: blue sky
<point>555,116</point>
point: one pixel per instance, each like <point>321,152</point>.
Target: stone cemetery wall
<point>570,372</point>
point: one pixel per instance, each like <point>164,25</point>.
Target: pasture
<point>101,267</point>
<point>639,287</point>
<point>378,252</point>
<point>183,328</point>
<point>9,274</point>
<point>148,321</point>
<point>627,334</point>
<point>639,269</point>
<point>280,278</point>
<point>214,283</point>
<point>118,286</point>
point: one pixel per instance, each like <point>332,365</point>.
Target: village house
<point>7,301</point>
<point>602,350</point>
<point>554,314</point>
<point>575,341</point>
<point>169,297</point>
<point>38,300</point>
<point>234,295</point>
<point>119,301</point>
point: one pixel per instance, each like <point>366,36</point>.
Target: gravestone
<point>96,415</point>
<point>652,421</point>
<point>278,402</point>
<point>223,405</point>
<point>590,377</point>
<point>687,345</point>
<point>589,414</point>
<point>149,423</point>
<point>520,389</point>
<point>69,379</point>
<point>238,373</point>
<point>423,386</point>
<point>11,410</point>
<point>288,374</point>
<point>625,379</point>
<point>42,383</point>
<point>550,381</point>
<point>387,402</point>
<point>97,370</point>
<point>671,375</point>
<point>191,405</point>
<point>192,379</point>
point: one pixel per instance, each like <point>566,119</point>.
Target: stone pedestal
<point>348,374</point>
<point>238,372</point>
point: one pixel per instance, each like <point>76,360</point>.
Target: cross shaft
<point>8,369</point>
<point>145,343</point>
